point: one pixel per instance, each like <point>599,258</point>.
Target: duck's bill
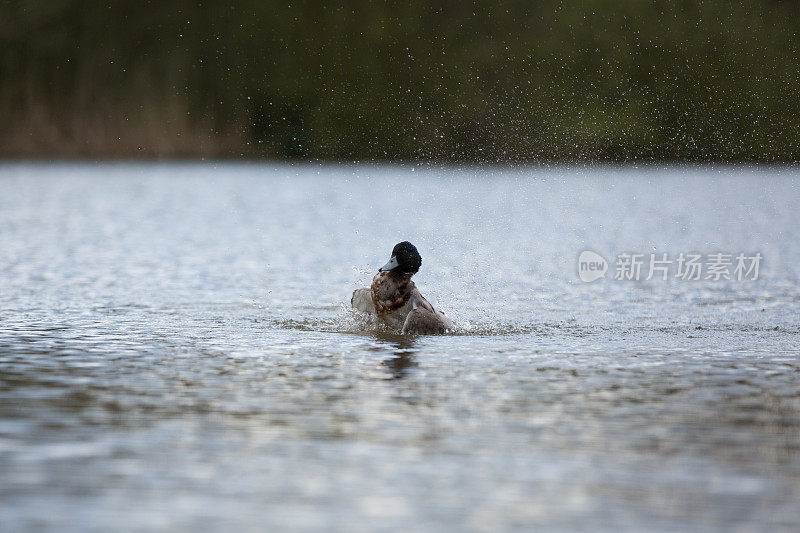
<point>390,265</point>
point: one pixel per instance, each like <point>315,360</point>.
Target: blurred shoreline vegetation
<point>456,81</point>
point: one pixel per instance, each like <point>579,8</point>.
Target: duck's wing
<point>427,321</point>
<point>362,300</point>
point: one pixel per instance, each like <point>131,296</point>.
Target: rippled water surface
<point>175,350</point>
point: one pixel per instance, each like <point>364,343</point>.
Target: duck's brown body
<point>395,300</point>
<point>391,292</point>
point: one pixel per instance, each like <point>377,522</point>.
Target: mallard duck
<point>395,300</point>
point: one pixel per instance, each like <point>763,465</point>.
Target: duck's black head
<point>405,259</point>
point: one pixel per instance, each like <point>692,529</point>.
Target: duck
<point>395,300</point>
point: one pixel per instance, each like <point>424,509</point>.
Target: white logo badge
<point>591,266</point>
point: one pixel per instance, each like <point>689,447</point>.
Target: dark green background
<point>454,81</point>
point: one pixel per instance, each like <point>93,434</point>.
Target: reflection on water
<point>175,352</point>
<point>402,359</point>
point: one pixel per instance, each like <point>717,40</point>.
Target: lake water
<point>176,351</point>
